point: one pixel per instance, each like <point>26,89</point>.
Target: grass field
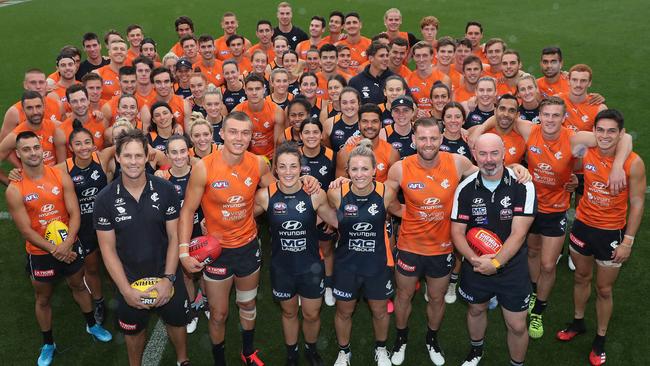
<point>608,35</point>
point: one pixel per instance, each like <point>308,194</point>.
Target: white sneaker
<point>450,296</point>
<point>398,355</point>
<point>472,359</point>
<point>382,356</point>
<point>191,326</point>
<point>436,356</point>
<point>207,314</point>
<point>343,359</point>
<point>329,297</point>
<point>572,266</point>
<point>426,292</point>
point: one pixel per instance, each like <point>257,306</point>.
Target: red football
<point>483,241</point>
<point>205,249</point>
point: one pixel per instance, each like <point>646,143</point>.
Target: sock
<point>48,338</point>
<point>599,343</point>
<point>311,347</point>
<point>516,363</point>
<point>403,335</point>
<point>379,344</point>
<point>477,344</point>
<point>578,324</point>
<point>328,281</point>
<point>247,342</point>
<point>453,278</point>
<point>99,301</point>
<point>534,285</point>
<point>292,351</point>
<point>345,348</point>
<point>539,307</point>
<point>219,354</point>
<point>90,319</point>
<point>431,336</point>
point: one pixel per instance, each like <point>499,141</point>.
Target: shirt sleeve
<point>526,201</point>
<point>460,211</point>
<point>102,216</point>
<point>173,204</point>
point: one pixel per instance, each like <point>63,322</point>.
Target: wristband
<point>629,237</point>
<point>495,263</point>
<point>183,255</point>
<point>181,245</point>
<point>626,245</point>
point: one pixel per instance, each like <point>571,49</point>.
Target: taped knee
<point>242,296</point>
<point>248,314</point>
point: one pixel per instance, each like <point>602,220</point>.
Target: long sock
<point>516,363</point>
<point>219,354</point>
<point>247,337</point>
<point>431,336</point>
<point>311,347</point>
<point>328,281</point>
<point>292,351</point>
<point>453,278</point>
<point>403,335</point>
<point>380,344</point>
<point>90,319</point>
<point>578,324</point>
<point>477,344</point>
<point>48,338</point>
<point>534,285</point>
<point>599,343</point>
<point>345,348</point>
<point>540,306</point>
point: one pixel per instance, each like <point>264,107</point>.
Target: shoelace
<point>536,321</point>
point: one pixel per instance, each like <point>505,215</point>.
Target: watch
<point>171,277</point>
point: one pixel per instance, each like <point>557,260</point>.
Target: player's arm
<point>334,197</point>
<point>341,162</point>
<point>7,146</point>
<point>327,131</point>
<point>458,230</point>
<point>266,177</point>
<point>278,127</point>
<point>191,202</point>
<point>476,131</point>
<point>393,181</point>
<point>464,166</point>
<point>11,120</point>
<point>107,113</point>
<point>635,211</point>
<point>145,117</point>
<point>324,114</point>
<point>261,201</point>
<point>323,208</point>
<point>23,223</point>
<point>187,115</point>
<point>523,127</point>
<point>60,145</point>
<point>393,157</point>
<point>382,134</point>
<point>74,220</point>
<point>390,200</point>
<point>171,213</point>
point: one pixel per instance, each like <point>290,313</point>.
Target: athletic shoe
<point>343,359</point>
<point>536,327</point>
<point>450,296</point>
<point>473,357</point>
<point>100,312</point>
<point>329,297</point>
<point>47,355</point>
<point>382,357</point>
<point>252,360</point>
<point>184,363</point>
<point>313,358</point>
<point>390,306</point>
<point>493,303</point>
<point>572,266</point>
<point>191,326</point>
<point>596,359</point>
<point>568,333</point>
<point>435,354</point>
<point>399,353</point>
<point>292,361</point>
<point>531,303</point>
<point>99,333</point>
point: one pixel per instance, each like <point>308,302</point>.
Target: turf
<point>609,36</point>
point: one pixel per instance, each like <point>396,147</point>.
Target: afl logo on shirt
<point>351,210</point>
<point>220,184</point>
<point>416,185</point>
<point>30,197</point>
<point>279,208</point>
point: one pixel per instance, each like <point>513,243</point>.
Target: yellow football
<point>56,232</point>
<point>144,284</point>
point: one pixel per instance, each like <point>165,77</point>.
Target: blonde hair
<point>122,122</point>
<point>363,148</point>
<point>198,121</point>
<point>169,56</point>
<point>527,76</point>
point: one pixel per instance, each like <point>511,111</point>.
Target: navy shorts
<point>511,284</point>
<point>240,262</point>
<point>89,243</point>
<point>46,268</point>
<point>549,224</point>
<point>322,236</point>
<point>347,285</point>
<point>175,313</point>
<point>415,265</point>
<point>591,241</point>
<point>309,285</point>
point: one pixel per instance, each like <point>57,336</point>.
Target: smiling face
<point>369,125</point>
<point>295,115</point>
<point>67,67</point>
<point>128,108</point>
<point>82,145</point>
<point>30,152</point>
<point>349,104</point>
<point>162,117</point>
<point>427,141</point>
<point>132,159</point>
<point>213,105</point>
<point>236,135</point>
<point>79,104</point>
<point>453,120</point>
<point>311,136</point>
<point>308,86</point>
<point>287,167</point>
<point>135,37</point>
<point>178,153</point>
<point>361,171</point>
<point>607,134</point>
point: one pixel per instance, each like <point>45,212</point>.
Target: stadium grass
<point>609,36</point>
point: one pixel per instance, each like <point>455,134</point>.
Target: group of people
<point>367,174</point>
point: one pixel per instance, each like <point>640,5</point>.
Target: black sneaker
<point>100,312</point>
<point>313,358</point>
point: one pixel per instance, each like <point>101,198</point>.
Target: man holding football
<point>493,200</point>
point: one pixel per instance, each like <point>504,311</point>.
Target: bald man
<point>492,199</point>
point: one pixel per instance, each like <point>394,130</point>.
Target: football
<point>56,232</point>
<point>205,249</point>
<point>483,241</point>
<point>144,284</point>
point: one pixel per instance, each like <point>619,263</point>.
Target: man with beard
<point>554,81</point>
<point>510,68</point>
<point>494,200</point>
<point>79,103</point>
<point>369,126</point>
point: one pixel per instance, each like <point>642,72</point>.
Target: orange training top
<point>421,88</point>
<point>46,136</point>
<point>579,116</point>
<point>262,142</point>
<point>51,110</point>
<point>515,146</point>
<point>111,82</point>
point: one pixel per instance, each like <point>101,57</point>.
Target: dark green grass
<point>609,36</point>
